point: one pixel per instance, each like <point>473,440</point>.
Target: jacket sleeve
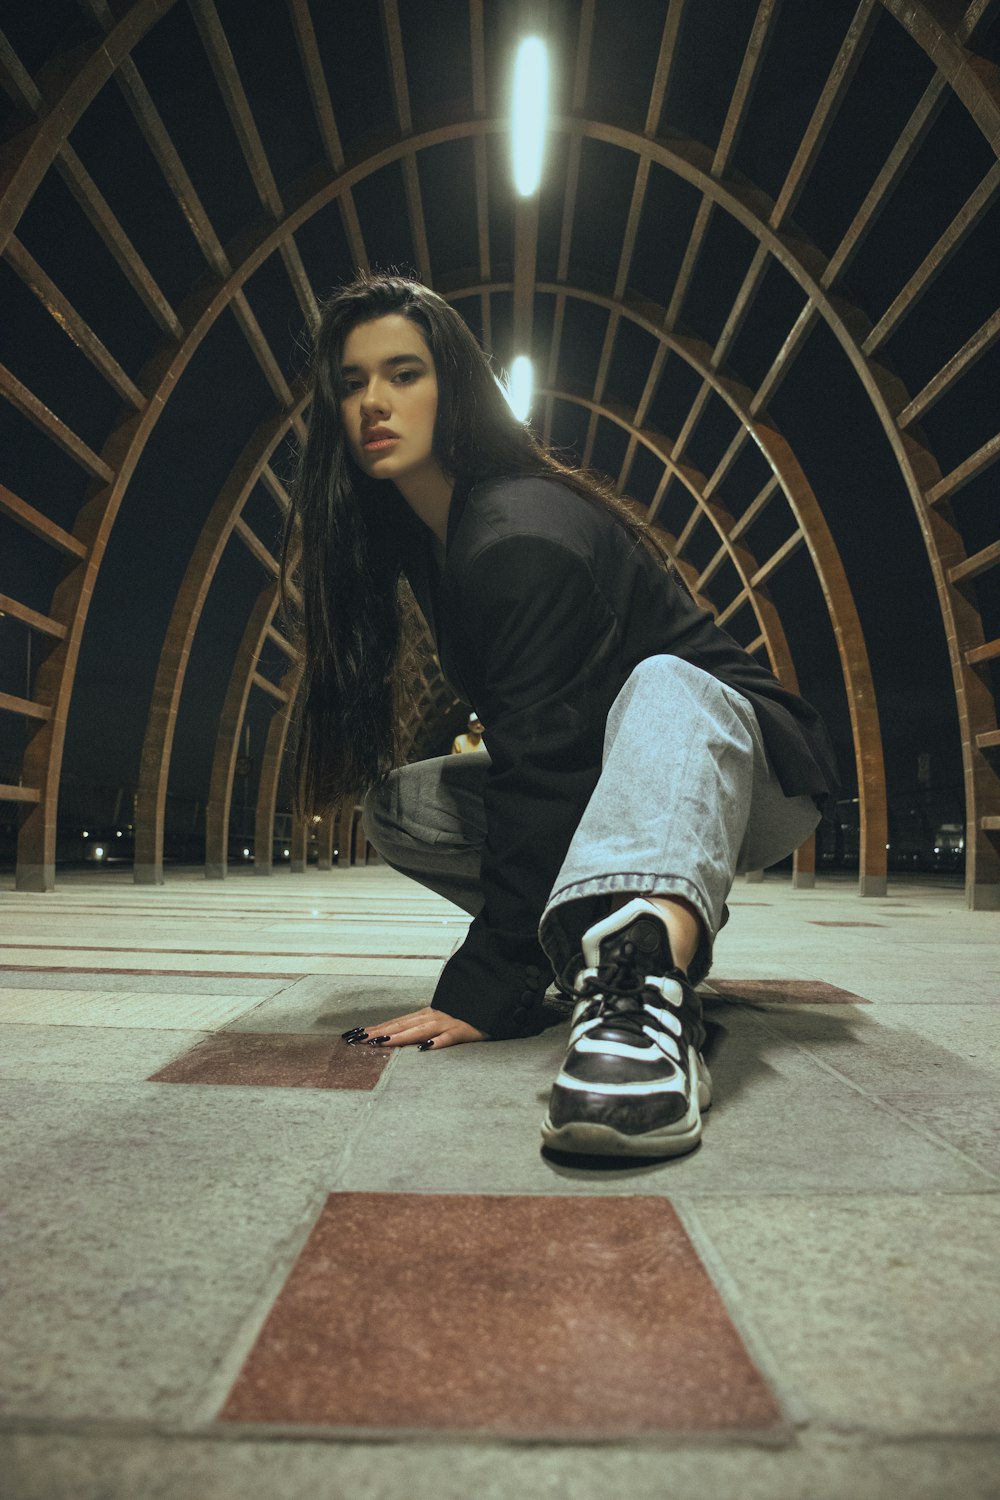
<point>530,631</point>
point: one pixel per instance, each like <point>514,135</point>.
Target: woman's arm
<point>534,641</point>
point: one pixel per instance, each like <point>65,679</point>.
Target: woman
<point>637,756</point>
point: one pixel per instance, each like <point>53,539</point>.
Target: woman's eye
<point>405,377</point>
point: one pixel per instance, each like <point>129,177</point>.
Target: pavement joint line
<point>883,1104</point>
<point>774,1439</point>
<point>230,1361</point>
<point>861,1439</point>
<point>793,1409</point>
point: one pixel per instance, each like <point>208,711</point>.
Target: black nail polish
<point>425,1046</point>
<point>376,1041</point>
<point>355,1031</point>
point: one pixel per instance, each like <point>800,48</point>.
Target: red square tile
<point>784,992</point>
<point>277,1060</point>
<point>529,1317</point>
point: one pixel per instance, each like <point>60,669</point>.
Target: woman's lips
<point>379,441</point>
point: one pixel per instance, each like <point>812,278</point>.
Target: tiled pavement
<point>347,1275</point>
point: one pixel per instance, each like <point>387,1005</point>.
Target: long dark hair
<point>357,622</point>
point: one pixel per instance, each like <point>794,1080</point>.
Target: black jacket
<point>544,607</point>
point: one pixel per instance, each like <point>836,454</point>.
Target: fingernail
<point>346,1036</point>
<point>424,1046</point>
<point>377,1041</point>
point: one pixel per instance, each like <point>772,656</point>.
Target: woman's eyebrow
<point>394,359</point>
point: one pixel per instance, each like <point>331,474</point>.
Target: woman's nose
<point>373,398</point>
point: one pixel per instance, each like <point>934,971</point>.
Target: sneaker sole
<point>583,1138</point>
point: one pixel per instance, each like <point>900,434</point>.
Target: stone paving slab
<point>143,1226</point>
<point>819,1466</point>
<point>786,1125</point>
<point>82,1054</point>
<point>335,1002</point>
<point>163,960</point>
<point>189,1010</point>
<point>879,1311</point>
<point>150,984</point>
<point>914,1051</point>
<point>971,1125</point>
<point>149,1235</point>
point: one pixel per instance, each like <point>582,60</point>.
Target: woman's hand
<point>426,1028</point>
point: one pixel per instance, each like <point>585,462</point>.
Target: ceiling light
<point>530,111</point>
<point>519,391</point>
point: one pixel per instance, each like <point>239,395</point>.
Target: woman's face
<point>389,401</point>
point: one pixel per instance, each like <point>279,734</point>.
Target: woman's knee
<point>668,688</point>
<point>376,813</point>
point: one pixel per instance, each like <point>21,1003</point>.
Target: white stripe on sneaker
<point>676,1085</point>
<point>617,1049</point>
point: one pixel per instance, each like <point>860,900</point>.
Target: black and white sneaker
<point>633,1082</point>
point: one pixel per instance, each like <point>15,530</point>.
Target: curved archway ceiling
<point>759,284</point>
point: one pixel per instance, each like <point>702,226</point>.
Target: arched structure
<point>527,284</point>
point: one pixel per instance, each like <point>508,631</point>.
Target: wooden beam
<point>59,307</point>
<point>711,568</point>
<point>785,357</point>
<point>736,445</point>
<point>733,607</point>
<point>581,69</point>
<point>980,342</point>
<point>254,544</point>
<point>39,525</point>
<point>19,793</point>
<point>756,506</point>
<point>155,134</point>
<point>852,49</point>
<point>978,563</point>
<point>664,64</point>
<point>283,644</point>
<point>987,652</point>
<point>261,349</point>
<point>131,264</point>
<point>319,95</point>
<point>741,304</point>
<point>276,489</point>
<point>936,258</point>
<point>266,685</point>
<point>972,466</point>
<point>237,105</point>
<point>746,83</point>
<point>977,12</point>
<point>778,559</point>
<point>11,705</point>
<point>42,623</point>
<point>896,163</point>
<point>81,185</point>
<point>36,411</point>
<point>404,119</point>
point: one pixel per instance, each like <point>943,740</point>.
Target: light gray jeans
<point>685,800</point>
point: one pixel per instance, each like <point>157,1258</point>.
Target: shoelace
<point>616,990</point>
